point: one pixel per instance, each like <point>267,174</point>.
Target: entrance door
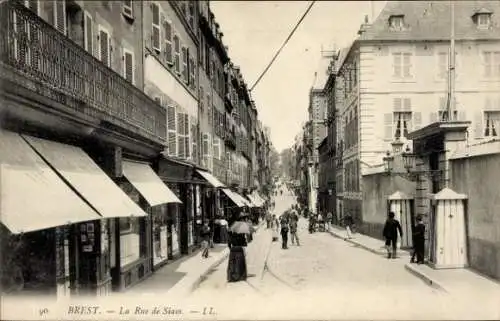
<point>403,211</point>
<point>451,246</point>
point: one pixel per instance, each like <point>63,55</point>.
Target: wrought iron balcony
<point>36,56</point>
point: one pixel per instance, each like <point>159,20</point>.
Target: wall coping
<point>486,148</point>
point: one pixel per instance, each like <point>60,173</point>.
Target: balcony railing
<point>34,51</point>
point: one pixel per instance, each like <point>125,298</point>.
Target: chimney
<point>364,26</point>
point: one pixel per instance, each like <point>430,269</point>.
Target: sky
<point>254,31</point>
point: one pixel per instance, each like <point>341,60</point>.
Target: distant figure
<point>329,217</point>
<point>348,222</point>
<point>390,232</point>
<point>205,237</point>
<point>294,221</point>
<point>284,231</point>
<point>418,241</point>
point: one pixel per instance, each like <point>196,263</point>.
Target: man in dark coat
<point>391,229</point>
<point>418,241</point>
<point>284,231</point>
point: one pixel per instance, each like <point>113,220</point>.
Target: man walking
<point>284,232</point>
<point>418,241</point>
<point>205,239</point>
<point>390,232</point>
<point>329,217</point>
<point>293,229</point>
<point>348,222</point>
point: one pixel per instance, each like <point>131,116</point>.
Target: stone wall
<point>376,190</point>
<point>479,178</point>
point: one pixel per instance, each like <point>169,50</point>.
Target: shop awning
<point>234,197</point>
<point>87,178</point>
<point>258,199</point>
<point>210,178</point>
<point>32,196</point>
<point>150,186</point>
<point>254,202</point>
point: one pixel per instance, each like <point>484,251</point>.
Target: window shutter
<point>407,64</point>
<point>168,42</point>
<point>417,120</point>
<point>397,104</point>
<point>193,68</point>
<point>177,58</point>
<point>172,131</point>
<point>388,126</point>
<point>194,142</point>
<point>128,66</point>
<point>187,136</point>
<point>88,34</point>
<point>155,25</point>
<point>442,103</point>
<point>204,149</point>
<point>185,71</point>
<point>201,97</point>
<point>478,125</point>
<point>396,64</point>
<point>406,104</point>
<point>210,161</point>
<point>60,16</point>
<point>181,129</point>
<point>216,148</point>
<point>104,42</point>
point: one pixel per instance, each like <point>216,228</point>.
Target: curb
<point>207,271</point>
<point>212,266</point>
<point>365,247</point>
<point>424,277</point>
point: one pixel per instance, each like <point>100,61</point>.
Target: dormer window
<point>482,18</point>
<point>396,22</point>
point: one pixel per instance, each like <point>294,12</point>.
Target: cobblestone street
<point>327,277</point>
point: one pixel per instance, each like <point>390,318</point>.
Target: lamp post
<point>409,160</point>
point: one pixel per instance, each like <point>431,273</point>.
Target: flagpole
<point>451,72</point>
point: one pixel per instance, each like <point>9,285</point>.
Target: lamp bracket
<point>416,175</point>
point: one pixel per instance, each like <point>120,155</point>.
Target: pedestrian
<point>268,220</point>
<point>237,265</point>
<point>284,232</point>
<point>293,229</point>
<point>390,234</point>
<point>348,222</point>
<point>329,216</point>
<point>205,239</point>
<point>312,223</point>
<point>418,241</point>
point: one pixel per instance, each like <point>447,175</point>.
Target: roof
<point>431,20</point>
<point>343,53</point>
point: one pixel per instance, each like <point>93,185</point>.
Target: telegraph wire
<point>283,45</point>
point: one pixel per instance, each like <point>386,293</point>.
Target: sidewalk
<point>183,276</point>
<point>453,281</point>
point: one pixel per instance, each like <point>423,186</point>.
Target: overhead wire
<point>283,45</point>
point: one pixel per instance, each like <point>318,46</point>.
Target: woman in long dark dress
<point>237,265</point>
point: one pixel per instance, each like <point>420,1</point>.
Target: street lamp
<point>388,162</point>
<point>408,159</point>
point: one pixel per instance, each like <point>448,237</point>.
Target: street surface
<point>326,277</point>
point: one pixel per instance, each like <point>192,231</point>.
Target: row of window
<point>402,64</point>
<point>168,45</point>
<point>351,176</point>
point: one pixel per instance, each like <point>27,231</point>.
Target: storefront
<point>184,219</point>
<point>151,243</point>
<point>37,235</point>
